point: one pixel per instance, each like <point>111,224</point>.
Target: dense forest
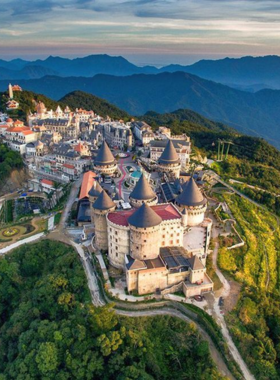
<point>9,160</point>
<point>50,330</point>
<point>80,99</point>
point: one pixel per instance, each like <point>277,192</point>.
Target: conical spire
<point>144,217</point>
<point>142,190</point>
<point>191,195</point>
<point>104,156</point>
<point>169,155</point>
<point>103,202</point>
<point>95,190</point>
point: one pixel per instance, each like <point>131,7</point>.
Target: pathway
<point>21,242</point>
<point>175,313</point>
<point>122,178</point>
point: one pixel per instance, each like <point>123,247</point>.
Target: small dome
<point>144,217</point>
<point>9,120</point>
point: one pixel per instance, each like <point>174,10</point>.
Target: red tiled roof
<point>68,166</point>
<point>18,122</point>
<point>165,211</point>
<point>25,133</point>
<point>87,183</point>
<point>47,182</point>
<point>18,129</point>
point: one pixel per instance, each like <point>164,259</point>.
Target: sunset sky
<point>144,31</point>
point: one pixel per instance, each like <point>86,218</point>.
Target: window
<point>117,247</point>
<point>117,254</point>
<point>171,241</point>
<point>177,241</point>
<point>163,243</point>
<point>116,232</point>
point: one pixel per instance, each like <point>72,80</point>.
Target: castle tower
<point>93,195</point>
<point>144,233</point>
<point>100,209</point>
<point>11,93</point>
<point>191,202</point>
<point>105,162</point>
<point>169,161</point>
<point>142,193</point>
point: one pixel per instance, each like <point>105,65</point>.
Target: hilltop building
<point>152,243</point>
<point>118,134</point>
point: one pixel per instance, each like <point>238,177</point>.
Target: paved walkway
<point>123,177</point>
<point>21,242</point>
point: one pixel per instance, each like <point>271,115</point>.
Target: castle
<point>161,247</point>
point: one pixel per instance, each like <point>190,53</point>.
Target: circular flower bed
<point>10,232</point>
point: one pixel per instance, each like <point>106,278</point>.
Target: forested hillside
<point>9,160</point>
<point>80,99</point>
<point>256,114</point>
<point>26,103</point>
<point>50,330</point>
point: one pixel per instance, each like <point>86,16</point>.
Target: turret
<point>100,209</point>
<point>192,204</point>
<point>94,192</point>
<point>169,161</point>
<point>105,162</point>
<point>144,233</point>
<point>142,193</point>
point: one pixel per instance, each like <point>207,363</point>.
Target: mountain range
<point>246,73</point>
<point>256,114</point>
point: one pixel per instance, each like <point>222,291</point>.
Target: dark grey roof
<point>162,143</point>
<point>95,190</point>
<point>169,155</point>
<point>53,122</point>
<point>103,202</point>
<point>195,263</point>
<point>144,217</point>
<point>104,155</point>
<point>142,190</point>
<point>191,195</point>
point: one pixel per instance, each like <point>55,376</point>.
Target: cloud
<point>170,26</point>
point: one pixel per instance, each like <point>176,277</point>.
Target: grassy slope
<point>255,321</point>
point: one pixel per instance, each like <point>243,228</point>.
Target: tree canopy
<point>50,330</point>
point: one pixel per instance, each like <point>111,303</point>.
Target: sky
<point>156,32</point>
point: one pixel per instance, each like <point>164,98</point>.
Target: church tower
<point>11,93</point>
